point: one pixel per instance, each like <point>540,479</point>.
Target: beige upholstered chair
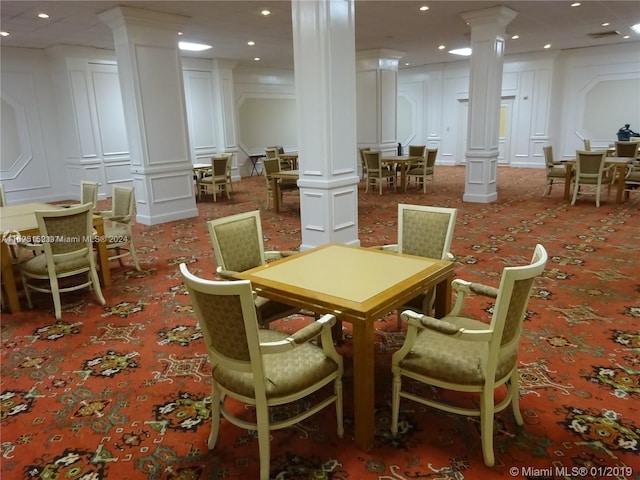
<point>587,144</point>
<point>590,170</point>
<point>275,152</point>
<point>67,255</point>
<point>554,169</point>
<point>89,193</point>
<point>377,174</point>
<point>467,355</point>
<point>424,231</point>
<point>118,222</point>
<point>424,170</point>
<point>217,180</point>
<point>238,246</point>
<point>626,149</point>
<point>272,165</point>
<point>363,162</point>
<point>262,368</point>
<point>632,178</point>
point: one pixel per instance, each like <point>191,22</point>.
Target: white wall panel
<point>109,111</point>
<point>82,110</point>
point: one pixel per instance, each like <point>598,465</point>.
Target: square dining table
<point>21,220</point>
<point>358,285</point>
<point>619,164</point>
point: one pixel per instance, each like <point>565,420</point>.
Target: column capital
<point>378,58</point>
<point>495,15</point>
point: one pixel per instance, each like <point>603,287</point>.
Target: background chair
<point>238,246</point>
<point>217,180</point>
<point>376,172</point>
<point>118,222</point>
<point>425,169</point>
<point>590,170</point>
<point>272,165</point>
<point>632,178</point>
<point>263,368</point>
<point>555,170</point>
<point>467,355</point>
<point>363,162</point>
<point>67,255</point>
<point>3,198</point>
<point>587,144</point>
<point>89,193</point>
<point>275,152</point>
<point>626,149</point>
<point>424,231</point>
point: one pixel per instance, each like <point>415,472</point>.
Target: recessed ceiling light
<point>627,37</point>
<point>180,34</point>
<point>465,52</point>
<point>515,37</point>
<point>251,43</point>
<point>407,64</point>
<point>636,27</point>
<point>265,12</point>
<point>441,47</point>
<point>4,34</point>
<point>575,4</point>
<point>193,47</point>
<point>257,59</point>
<point>424,8</point>
<point>606,24</point>
<point>548,45</point>
<point>43,15</point>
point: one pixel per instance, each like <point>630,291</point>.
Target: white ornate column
<point>150,73</point>
<point>377,99</point>
<point>485,88</point>
<point>324,56</point>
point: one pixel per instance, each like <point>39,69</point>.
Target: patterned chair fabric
<point>376,172</point>
<point>467,355</point>
<point>238,246</point>
<point>424,170</point>
<point>263,368</point>
<point>217,179</point>
<point>67,253</point>
<point>590,170</point>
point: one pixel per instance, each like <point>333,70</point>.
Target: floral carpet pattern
<point>121,391</point>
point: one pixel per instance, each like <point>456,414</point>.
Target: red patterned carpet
<point>121,391</point>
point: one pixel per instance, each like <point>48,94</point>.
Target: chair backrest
<point>372,160</point>
<point>511,305</point>
<point>237,241</point>
<point>417,150</point>
<point>587,144</point>
<point>432,154</point>
<point>3,198</point>
<point>548,156</point>
<point>271,152</point>
<point>123,203</point>
<point>425,231</point>
<point>227,317</point>
<point>67,233</point>
<point>362,160</point>
<point>589,164</point>
<point>219,166</point>
<point>89,193</point>
<point>626,149</point>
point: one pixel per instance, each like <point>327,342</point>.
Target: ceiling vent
<point>610,33</point>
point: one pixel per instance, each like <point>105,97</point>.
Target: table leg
<point>442,303</point>
<point>9,280</point>
<point>103,256</point>
<point>363,384</point>
<point>567,181</point>
<point>403,176</point>
<point>620,172</point>
<point>275,191</point>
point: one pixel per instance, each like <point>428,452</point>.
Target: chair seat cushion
<point>38,266</point>
<point>420,171</point>
<point>287,373</point>
<point>450,359</point>
<point>556,172</point>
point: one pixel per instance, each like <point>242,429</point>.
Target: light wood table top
<point>403,162</point>
<point>358,285</point>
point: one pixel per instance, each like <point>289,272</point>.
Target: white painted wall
<point>61,121</point>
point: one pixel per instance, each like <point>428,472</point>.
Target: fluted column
<point>485,88</point>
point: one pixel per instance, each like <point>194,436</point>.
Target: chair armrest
<point>300,337</point>
<point>226,274</point>
<point>420,321</point>
<point>271,255</point>
<point>389,248</point>
<point>449,256</point>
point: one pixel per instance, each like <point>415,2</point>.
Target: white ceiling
<point>396,25</point>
